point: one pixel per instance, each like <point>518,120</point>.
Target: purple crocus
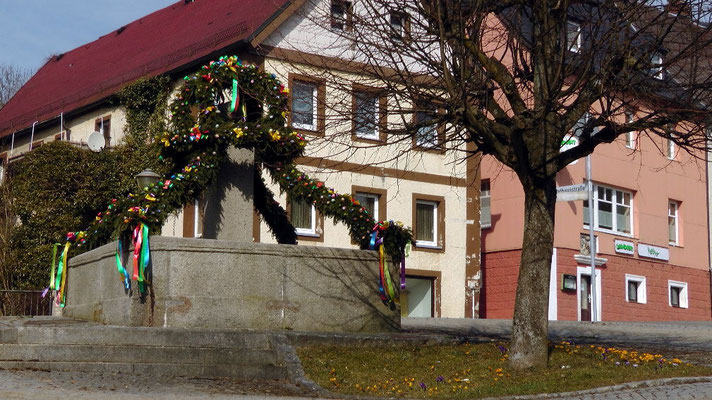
<point>423,385</point>
<point>440,379</point>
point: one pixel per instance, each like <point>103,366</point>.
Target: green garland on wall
<point>227,104</point>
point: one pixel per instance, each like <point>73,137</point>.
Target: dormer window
<point>400,26</point>
<point>656,65</point>
<point>341,15</point>
<point>573,36</point>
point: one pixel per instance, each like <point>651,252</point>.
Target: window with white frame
<point>426,223</point>
<point>427,134</point>
<point>366,115</point>
<point>673,222</point>
<point>580,125</point>
<point>3,165</point>
<point>635,289</point>
<point>303,217</point>
<point>369,201</point>
<point>656,65</point>
<point>304,105</point>
<point>399,25</point>
<point>669,149</point>
<point>629,136</point>
<point>573,36</point>
<point>677,294</point>
<point>485,204</point>
<point>613,210</point>
<point>341,15</point>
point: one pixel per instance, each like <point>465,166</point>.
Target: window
<point>485,199</point>
<point>656,65</point>
<point>372,199</point>
<point>429,222</point>
<point>103,125</point>
<point>193,218</point>
<point>3,165</point>
<point>369,114</point>
<point>635,289</point>
<point>580,125</point>
<point>669,149</point>
<point>304,105</point>
<point>613,210</point>
<point>427,135</point>
<point>341,15</point>
<point>307,104</point>
<point>426,213</point>
<point>369,201</point>
<point>629,136</point>
<point>400,25</point>
<point>677,294</point>
<point>573,36</point>
<point>673,230</point>
<point>303,218</point>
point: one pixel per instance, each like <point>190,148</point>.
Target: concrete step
<point>156,369</point>
<point>134,336</point>
<point>61,344</point>
<point>137,354</point>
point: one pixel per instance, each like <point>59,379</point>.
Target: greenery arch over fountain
<point>228,104</point>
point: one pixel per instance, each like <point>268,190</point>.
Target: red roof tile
<point>157,43</point>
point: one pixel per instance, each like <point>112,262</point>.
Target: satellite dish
<point>95,141</point>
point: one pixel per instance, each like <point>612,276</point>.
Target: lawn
<point>479,370</point>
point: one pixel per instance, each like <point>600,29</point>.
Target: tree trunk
<point>529,345</point>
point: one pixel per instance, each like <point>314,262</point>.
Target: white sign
<point>658,253</point>
<point>624,247</point>
<point>572,192</point>
<point>569,142</point>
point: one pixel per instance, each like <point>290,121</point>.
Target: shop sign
<point>658,253</point>
<point>624,247</point>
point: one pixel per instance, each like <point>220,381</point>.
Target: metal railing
<point>24,303</point>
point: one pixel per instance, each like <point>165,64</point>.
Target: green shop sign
<point>624,247</point>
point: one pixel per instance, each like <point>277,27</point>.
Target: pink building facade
<point>650,223</point>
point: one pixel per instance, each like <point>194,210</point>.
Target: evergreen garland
<point>201,126</point>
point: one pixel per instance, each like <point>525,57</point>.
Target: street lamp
<point>146,177</point>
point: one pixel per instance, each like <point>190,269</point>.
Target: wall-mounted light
<point>568,282</point>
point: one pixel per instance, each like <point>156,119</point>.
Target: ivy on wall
<point>60,187</point>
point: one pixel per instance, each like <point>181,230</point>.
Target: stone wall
<point>203,283</point>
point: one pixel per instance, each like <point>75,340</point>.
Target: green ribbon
<point>145,255</point>
<point>120,266</point>
<point>54,266</point>
<point>235,96</point>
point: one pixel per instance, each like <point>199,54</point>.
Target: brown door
<point>585,297</point>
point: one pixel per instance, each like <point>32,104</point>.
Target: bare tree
<point>11,80</point>
<point>513,79</point>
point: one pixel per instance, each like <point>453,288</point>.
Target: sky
<point>33,30</point>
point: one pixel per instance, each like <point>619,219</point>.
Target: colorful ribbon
<point>54,267</point>
<point>141,256</point>
<point>61,278</point>
<point>235,96</point>
<point>120,266</point>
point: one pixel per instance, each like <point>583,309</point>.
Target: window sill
<point>610,232</point>
<point>427,246</point>
<point>308,234</point>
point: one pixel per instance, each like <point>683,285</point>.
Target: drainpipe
<point>61,126</point>
<point>592,242</point>
<point>709,222</point>
<point>32,136</point>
